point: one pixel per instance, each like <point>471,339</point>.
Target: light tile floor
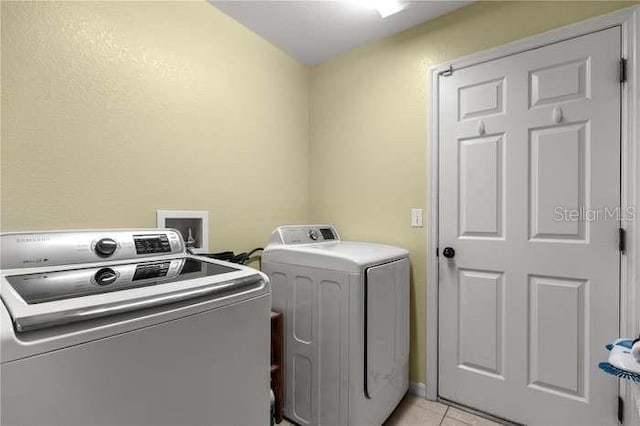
<point>420,412</point>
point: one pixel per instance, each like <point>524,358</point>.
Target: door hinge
<point>623,70</point>
<point>621,410</point>
<point>437,251</point>
<point>622,240</point>
<point>447,72</point>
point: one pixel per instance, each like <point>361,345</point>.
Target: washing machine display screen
<point>327,234</point>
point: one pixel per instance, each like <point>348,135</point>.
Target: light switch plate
<point>416,218</point>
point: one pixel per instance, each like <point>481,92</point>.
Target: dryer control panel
<point>304,234</point>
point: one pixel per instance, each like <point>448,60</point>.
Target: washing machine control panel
<point>37,249</point>
<point>307,234</point>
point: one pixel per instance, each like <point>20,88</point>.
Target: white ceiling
<point>313,31</point>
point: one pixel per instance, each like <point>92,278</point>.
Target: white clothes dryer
<point>346,318</point>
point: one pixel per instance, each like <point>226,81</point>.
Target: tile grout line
<point>444,415</point>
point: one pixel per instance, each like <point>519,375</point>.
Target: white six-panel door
<point>529,156</point>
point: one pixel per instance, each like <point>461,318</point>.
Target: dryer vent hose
<point>230,256</point>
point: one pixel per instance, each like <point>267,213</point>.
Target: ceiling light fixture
<point>385,8</point>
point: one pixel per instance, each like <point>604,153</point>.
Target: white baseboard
<point>418,389</point>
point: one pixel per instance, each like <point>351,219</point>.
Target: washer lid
<point>40,297</point>
<point>59,285</point>
<point>339,256</point>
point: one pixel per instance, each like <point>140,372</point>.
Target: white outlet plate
<point>416,218</point>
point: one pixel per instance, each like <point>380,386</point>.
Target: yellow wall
<point>368,135</point>
<point>112,110</point>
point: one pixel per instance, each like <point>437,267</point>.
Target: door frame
<point>628,20</point>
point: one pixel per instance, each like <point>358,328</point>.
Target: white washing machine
<point>124,327</point>
<point>346,315</point>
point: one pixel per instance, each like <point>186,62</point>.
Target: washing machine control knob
<point>105,276</point>
<point>313,234</point>
<point>105,247</point>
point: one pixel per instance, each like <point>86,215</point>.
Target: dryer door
<point>386,324</point>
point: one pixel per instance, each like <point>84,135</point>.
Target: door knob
<point>448,252</point>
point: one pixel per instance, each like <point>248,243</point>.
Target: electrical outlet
<point>416,218</point>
